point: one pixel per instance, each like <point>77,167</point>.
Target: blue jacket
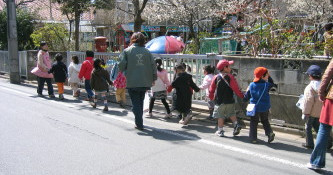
<point>254,93</point>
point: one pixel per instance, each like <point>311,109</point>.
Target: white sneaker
<point>168,115</point>
<point>219,133</point>
<point>181,121</point>
<point>187,119</point>
<point>149,114</point>
<point>312,167</point>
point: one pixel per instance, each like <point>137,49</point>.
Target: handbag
<point>330,92</point>
<point>251,108</point>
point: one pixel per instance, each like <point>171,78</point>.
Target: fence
<point>195,64</point>
<point>5,63</point>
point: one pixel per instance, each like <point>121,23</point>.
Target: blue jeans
<point>137,96</point>
<point>318,155</point>
<point>88,88</point>
<point>41,82</point>
<point>311,122</point>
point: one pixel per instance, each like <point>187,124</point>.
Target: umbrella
<point>165,44</point>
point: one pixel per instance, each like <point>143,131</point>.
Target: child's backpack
<point>114,72</point>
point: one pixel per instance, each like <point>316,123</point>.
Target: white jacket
<point>206,83</point>
<point>73,73</point>
<point>312,104</point>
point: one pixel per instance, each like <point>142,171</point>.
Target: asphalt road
<point>45,136</point>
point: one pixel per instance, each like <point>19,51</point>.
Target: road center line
<point>204,141</point>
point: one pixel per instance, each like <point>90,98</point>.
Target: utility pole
<point>14,72</point>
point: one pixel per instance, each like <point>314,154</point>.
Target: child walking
<point>120,85</point>
<point>258,93</point>
<point>312,106</point>
<point>73,74</point>
<point>183,84</point>
<point>225,86</point>
<point>209,75</point>
<point>59,71</point>
<point>159,89</point>
<point>100,81</point>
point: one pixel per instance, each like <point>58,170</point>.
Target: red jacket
<point>86,68</point>
<point>233,85</point>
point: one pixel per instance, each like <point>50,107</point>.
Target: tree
<point>21,2</point>
<point>25,27</point>
<point>190,13</point>
<point>317,11</point>
<point>54,34</point>
<point>76,8</point>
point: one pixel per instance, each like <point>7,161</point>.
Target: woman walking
<point>318,156</point>
<point>41,70</point>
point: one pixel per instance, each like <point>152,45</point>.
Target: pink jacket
<point>162,81</point>
<point>43,65</point>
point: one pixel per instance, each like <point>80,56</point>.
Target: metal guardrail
<point>195,62</point>
<point>5,63</point>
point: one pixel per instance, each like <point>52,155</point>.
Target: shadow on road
<point>168,135</point>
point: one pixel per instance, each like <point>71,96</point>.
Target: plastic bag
<point>300,102</point>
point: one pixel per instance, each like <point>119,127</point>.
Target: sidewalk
<point>200,112</point>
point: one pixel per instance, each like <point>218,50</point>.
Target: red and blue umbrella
<point>165,45</point>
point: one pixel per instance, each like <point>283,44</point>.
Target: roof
<point>51,11</point>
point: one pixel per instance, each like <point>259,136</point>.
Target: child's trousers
<point>75,87</point>
<point>60,88</point>
<point>120,95</point>
<point>254,124</point>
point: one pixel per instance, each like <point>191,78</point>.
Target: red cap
<point>223,63</point>
<point>258,73</point>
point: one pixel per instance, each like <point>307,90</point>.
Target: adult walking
<point>318,156</point>
<point>140,71</point>
<point>41,70</point>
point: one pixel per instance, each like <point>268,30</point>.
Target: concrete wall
<point>291,80</point>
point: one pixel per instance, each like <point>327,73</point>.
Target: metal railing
<point>5,63</point>
<point>195,64</point>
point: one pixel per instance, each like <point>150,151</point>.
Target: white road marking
<point>204,141</point>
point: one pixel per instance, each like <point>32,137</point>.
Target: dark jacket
<point>59,70</point>
<point>100,80</point>
<point>183,84</point>
<point>222,91</point>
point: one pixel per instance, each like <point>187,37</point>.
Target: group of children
<point>96,79</point>
<point>220,92</point>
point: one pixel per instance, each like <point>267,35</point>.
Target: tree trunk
<point>137,23</point>
<point>77,26</point>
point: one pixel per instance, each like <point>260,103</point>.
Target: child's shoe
<point>93,104</point>
<point>187,119</point>
<point>122,105</point>
<point>149,114</point>
<point>105,108</point>
<point>237,129</point>
<point>220,133</point>
<point>271,137</point>
<point>61,97</point>
<point>181,121</point>
<point>168,115</point>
